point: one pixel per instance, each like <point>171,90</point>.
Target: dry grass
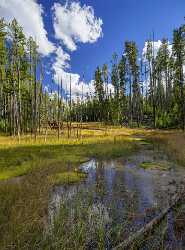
<point>173,142</point>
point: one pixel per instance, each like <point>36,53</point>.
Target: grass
<point>18,159</point>
<point>70,177</point>
<point>24,201</point>
<point>172,142</point>
<point>155,165</point>
<point>43,164</point>
<point>80,224</point>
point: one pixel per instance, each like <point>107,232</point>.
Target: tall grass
<point>24,200</point>
<point>172,142</point>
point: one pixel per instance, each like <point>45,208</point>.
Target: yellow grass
<point>173,142</point>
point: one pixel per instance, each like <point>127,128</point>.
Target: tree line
<point>148,89</point>
<point>25,106</point>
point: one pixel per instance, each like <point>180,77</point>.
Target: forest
<point>148,89</point>
<point>101,170</point>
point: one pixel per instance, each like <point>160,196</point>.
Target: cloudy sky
<point>76,36</point>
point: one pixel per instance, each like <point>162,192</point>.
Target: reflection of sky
<point>122,189</point>
<point>109,180</point>
<point>134,179</point>
<point>114,181</point>
<point>144,186</point>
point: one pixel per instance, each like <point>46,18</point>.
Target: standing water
<point>125,195</point>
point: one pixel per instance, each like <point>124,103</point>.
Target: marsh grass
<point>155,165</point>
<point>70,177</point>
<point>172,142</point>
<point>17,159</point>
<point>24,201</point>
<point>80,224</point>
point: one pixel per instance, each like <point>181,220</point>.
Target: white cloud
<point>156,45</point>
<point>78,87</point>
<point>73,23</point>
<point>28,13</point>
<point>60,66</point>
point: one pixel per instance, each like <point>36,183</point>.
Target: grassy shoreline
<point>172,142</point>
<point>24,203</point>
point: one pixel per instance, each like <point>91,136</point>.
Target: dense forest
<point>149,89</point>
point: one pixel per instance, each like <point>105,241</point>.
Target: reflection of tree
<point>126,201</point>
<point>100,181</point>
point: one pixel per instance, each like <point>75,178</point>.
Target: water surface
<point>127,195</point>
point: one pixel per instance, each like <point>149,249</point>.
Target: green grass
<point>70,177</point>
<point>18,160</point>
<point>14,172</point>
<point>155,165</point>
<point>24,203</point>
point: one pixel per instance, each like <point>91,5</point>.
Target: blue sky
<point>122,20</point>
<point>128,20</point>
<point>125,20</point>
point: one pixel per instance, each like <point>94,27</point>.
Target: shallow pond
<point>126,195</point>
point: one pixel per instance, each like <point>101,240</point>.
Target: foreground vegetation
<point>24,200</point>
<point>37,166</point>
<point>172,142</point>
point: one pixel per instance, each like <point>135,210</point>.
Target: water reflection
<point>126,193</point>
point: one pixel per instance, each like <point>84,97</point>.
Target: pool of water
<point>129,196</point>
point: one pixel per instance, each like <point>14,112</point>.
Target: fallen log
<point>127,244</point>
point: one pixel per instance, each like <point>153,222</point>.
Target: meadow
<point>30,169</point>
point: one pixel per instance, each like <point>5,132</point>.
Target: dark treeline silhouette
<point>147,90</point>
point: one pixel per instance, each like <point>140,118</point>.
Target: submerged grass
<point>155,166</point>
<point>79,225</point>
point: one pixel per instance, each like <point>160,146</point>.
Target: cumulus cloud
<point>28,13</point>
<point>155,46</point>
<point>78,87</point>
<point>73,23</point>
<point>60,67</point>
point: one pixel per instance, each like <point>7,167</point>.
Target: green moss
<point>67,178</point>
<point>155,165</point>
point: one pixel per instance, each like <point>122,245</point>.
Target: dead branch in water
<point>127,244</point>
